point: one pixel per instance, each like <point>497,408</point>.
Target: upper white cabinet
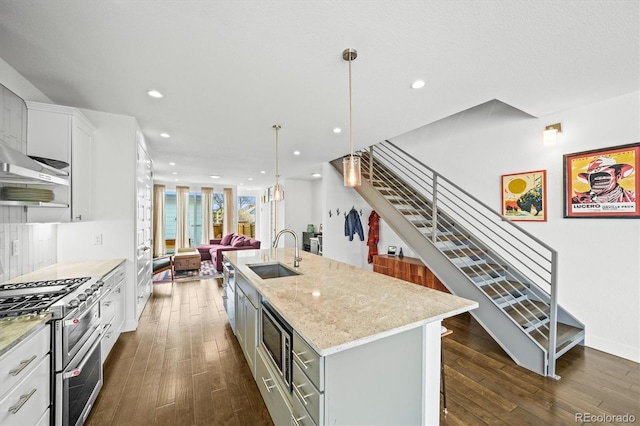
<point>64,134</point>
<point>13,129</point>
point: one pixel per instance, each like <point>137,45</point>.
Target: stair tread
<point>450,237</point>
<point>452,253</point>
<point>483,269</point>
<point>564,335</point>
<point>527,312</point>
<point>505,288</point>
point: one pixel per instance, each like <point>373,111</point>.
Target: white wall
<point>335,245</point>
<point>599,276</point>
<point>299,202</point>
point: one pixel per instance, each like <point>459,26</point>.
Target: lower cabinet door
<point>29,399</point>
<point>271,392</point>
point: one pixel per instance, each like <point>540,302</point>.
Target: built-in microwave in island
<point>276,338</point>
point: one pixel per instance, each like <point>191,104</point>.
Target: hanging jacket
<point>352,225</point>
<point>374,235</point>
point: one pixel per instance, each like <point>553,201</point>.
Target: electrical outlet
<point>15,247</point>
<point>97,239</point>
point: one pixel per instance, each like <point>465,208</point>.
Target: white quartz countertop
<point>14,330</point>
<point>336,306</point>
<point>87,268</point>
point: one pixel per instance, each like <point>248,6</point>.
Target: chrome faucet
<point>296,258</point>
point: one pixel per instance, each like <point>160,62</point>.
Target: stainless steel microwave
<point>277,339</point>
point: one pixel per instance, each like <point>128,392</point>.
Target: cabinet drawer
<point>109,339</point>
<point>271,392</point>
<point>248,289</point>
<point>23,359</point>
<point>307,393</point>
<point>119,275</point>
<point>309,361</point>
<point>108,309</point>
<point>26,403</point>
<point>299,415</point>
<point>45,419</point>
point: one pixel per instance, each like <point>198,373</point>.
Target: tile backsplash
<point>36,245</point>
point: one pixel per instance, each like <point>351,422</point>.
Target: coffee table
<point>186,259</point>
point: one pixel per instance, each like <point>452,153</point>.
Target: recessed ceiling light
<point>154,94</point>
<point>262,172</point>
<point>296,152</point>
<point>418,84</point>
<point>337,130</point>
<point>172,163</point>
<point>165,135</point>
<point>316,175</point>
<point>176,180</point>
<point>174,173</point>
<point>214,177</point>
<point>241,184</point>
<point>250,179</point>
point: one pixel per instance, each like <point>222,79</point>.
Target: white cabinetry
<point>272,390</point>
<point>112,309</point>
<point>247,303</point>
<point>25,381</point>
<point>13,129</point>
<point>64,134</point>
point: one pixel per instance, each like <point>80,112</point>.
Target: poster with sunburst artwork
<point>524,196</point>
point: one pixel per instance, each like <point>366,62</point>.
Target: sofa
<point>230,242</point>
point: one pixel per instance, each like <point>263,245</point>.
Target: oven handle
<point>76,371</point>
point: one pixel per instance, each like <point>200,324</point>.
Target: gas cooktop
<point>18,299</point>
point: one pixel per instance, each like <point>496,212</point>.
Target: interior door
<point>143,228</point>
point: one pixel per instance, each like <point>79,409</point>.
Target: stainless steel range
<point>74,304</point>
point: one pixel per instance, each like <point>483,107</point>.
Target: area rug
<point>207,270</point>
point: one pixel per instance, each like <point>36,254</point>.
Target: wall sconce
<point>550,135</point>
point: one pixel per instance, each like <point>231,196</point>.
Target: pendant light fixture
<point>278,191</point>
<point>351,164</point>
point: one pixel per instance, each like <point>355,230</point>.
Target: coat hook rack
<point>330,213</point>
<point>338,211</point>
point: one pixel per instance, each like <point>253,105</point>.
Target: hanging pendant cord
<point>350,112</point>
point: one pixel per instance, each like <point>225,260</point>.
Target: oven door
<point>78,385</point>
<point>74,330</point>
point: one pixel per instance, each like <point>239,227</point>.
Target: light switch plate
<point>15,247</point>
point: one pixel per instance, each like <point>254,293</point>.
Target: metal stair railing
<point>492,251</point>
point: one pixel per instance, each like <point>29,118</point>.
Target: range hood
<point>16,167</point>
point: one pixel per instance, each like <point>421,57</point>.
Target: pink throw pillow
<point>239,242</point>
<point>248,242</point>
<point>226,241</point>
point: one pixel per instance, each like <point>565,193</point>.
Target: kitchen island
<point>375,340</point>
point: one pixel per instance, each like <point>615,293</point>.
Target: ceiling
<point>229,70</point>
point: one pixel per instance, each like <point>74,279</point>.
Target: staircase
<point>476,254</point>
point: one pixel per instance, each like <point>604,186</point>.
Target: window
<point>195,218</point>
<point>218,215</point>
<point>247,215</point>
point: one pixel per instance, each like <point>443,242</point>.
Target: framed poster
<point>602,182</point>
<point>524,196</point>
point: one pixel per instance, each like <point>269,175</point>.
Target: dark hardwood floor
<point>183,366</point>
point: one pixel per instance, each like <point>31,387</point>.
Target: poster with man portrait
<point>602,183</point>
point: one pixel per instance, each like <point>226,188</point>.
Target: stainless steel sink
<point>272,270</point>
